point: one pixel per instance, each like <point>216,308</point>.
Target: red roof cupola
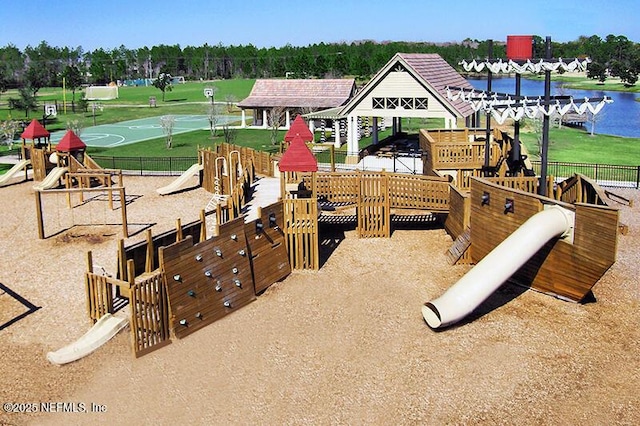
<point>298,158</point>
<point>299,127</point>
<point>70,142</point>
<point>35,130</point>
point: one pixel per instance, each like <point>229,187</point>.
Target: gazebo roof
<point>35,130</point>
<point>298,158</point>
<point>299,127</point>
<point>429,70</point>
<point>299,93</point>
<point>70,142</point>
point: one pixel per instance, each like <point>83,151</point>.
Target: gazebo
<point>291,96</point>
<point>410,85</point>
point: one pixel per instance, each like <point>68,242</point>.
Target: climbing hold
<point>242,253</point>
<point>177,277</point>
<point>191,293</point>
<point>218,252</point>
<point>208,274</point>
<point>183,322</point>
<point>219,286</point>
<point>237,283</point>
<point>199,258</point>
<point>234,237</point>
<point>199,315</point>
<point>227,304</point>
<point>234,270</point>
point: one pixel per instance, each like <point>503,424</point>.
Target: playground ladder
<point>214,201</point>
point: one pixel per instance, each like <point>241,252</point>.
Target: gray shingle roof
<point>439,74</point>
<point>298,93</point>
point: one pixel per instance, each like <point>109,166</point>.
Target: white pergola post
<point>352,135</point>
<point>336,133</point>
<point>287,121</point>
<point>244,116</point>
<point>265,124</point>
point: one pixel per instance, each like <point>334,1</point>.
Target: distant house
<point>295,96</point>
<point>409,85</point>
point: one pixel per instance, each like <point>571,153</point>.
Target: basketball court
<point>132,131</point>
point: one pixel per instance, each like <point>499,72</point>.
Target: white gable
<point>399,94</point>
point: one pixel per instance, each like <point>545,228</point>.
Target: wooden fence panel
<point>523,183</point>
<point>338,187</point>
<point>374,216</point>
<point>99,295</point>
<point>149,314</point>
<point>301,230</point>
<point>418,192</point>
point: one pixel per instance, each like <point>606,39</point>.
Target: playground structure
<point>67,165</point>
<point>183,280</point>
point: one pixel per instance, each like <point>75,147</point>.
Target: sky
<point>274,23</point>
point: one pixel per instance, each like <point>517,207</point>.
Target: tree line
<point>46,66</point>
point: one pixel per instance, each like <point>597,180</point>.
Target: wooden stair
<point>459,247</point>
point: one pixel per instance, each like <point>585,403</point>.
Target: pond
<point>620,118</point>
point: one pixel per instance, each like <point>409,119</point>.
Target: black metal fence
<point>605,174</point>
<point>147,165</point>
<point>15,152</point>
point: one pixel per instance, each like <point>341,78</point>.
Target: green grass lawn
<point>577,146</point>
<point>133,103</point>
<point>582,82</point>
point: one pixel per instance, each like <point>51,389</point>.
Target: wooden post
<point>67,185</point>
<point>87,285</point>
<point>131,272</point>
<point>123,208</point>
<point>148,264</point>
<point>178,230</point>
<point>122,261</point>
<point>203,225</point>
<point>108,179</point>
<point>40,221</point>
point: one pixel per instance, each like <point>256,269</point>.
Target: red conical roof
<point>299,127</point>
<point>35,130</point>
<point>70,142</point>
<point>298,158</point>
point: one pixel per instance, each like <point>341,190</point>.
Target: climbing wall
<point>208,280</point>
<point>265,237</point>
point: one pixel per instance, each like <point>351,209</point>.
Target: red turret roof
<point>298,158</point>
<point>35,130</point>
<point>299,127</point>
<point>70,142</point>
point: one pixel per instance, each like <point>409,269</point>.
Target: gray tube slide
<point>498,266</point>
